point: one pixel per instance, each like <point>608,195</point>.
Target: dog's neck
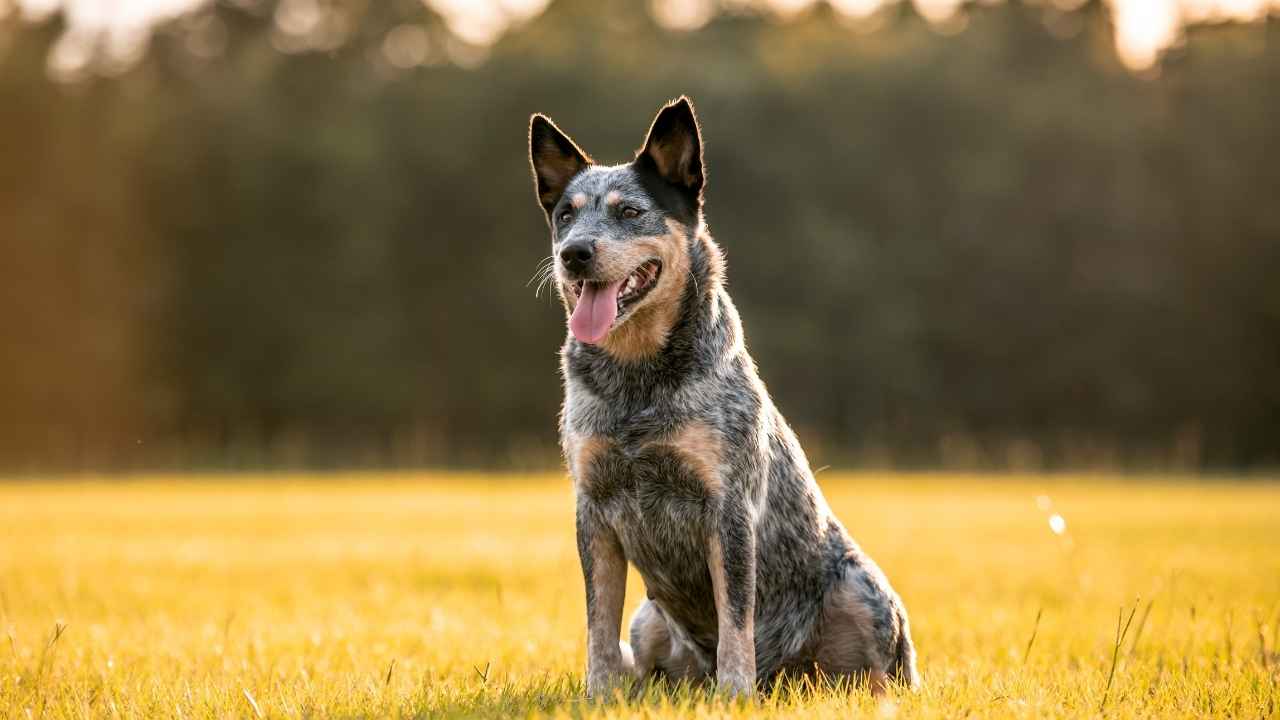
<point>704,332</point>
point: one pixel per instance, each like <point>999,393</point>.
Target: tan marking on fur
<point>606,664</point>
<point>613,198</point>
<point>701,447</point>
<point>646,331</point>
<point>580,451</point>
<point>736,647</point>
<point>579,200</point>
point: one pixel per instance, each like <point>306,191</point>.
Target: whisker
<point>696,287</point>
<point>543,265</point>
<point>542,276</point>
<point>548,276</point>
<point>550,290</point>
<point>537,275</point>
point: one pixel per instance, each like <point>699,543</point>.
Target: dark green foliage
<point>998,248</point>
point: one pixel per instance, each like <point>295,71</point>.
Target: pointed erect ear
<point>556,159</point>
<point>674,147</point>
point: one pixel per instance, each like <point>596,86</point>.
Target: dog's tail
<point>903,668</point>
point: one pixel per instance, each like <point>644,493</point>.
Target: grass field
<point>460,595</point>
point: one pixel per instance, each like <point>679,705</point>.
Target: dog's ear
<point>555,158</point>
<point>674,147</point>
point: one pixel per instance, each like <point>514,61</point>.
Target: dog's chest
<point>659,495</point>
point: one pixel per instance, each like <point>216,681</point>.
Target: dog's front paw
<point>601,685</point>
<point>735,684</point>
<point>611,672</point>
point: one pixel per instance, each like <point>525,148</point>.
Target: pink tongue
<point>595,312</point>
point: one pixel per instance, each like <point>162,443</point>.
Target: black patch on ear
<point>673,148</point>
<point>673,200</point>
<point>555,159</point>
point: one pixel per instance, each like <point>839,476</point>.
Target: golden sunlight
<point>117,33</point>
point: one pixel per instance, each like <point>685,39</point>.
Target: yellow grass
<point>459,595</point>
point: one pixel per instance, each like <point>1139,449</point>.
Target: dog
<point>681,464</point>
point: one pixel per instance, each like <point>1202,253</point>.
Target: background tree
<point>995,248</point>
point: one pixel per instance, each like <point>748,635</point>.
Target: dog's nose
<point>576,256</point>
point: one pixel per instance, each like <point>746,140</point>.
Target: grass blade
<point>252,703</point>
<point>1034,631</point>
<point>1115,652</point>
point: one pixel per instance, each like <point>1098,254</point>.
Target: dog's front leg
<point>731,557</point>
<point>604,572</point>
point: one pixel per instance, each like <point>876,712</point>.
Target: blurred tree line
<point>992,249</point>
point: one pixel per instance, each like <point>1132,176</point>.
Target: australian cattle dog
<point>681,464</point>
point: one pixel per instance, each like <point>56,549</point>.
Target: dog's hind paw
<point>628,658</point>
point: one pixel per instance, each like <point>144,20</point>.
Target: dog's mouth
<point>600,304</point>
<point>635,286</point>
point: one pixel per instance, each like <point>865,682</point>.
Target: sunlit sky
<point>120,28</point>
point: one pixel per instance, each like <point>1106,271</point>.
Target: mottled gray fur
<point>686,470</point>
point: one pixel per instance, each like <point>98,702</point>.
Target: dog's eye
<point>565,216</point>
<point>630,213</point>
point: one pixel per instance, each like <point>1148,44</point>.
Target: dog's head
<point>620,235</point>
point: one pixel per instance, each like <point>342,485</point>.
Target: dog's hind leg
<point>658,651</point>
<point>864,631</point>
